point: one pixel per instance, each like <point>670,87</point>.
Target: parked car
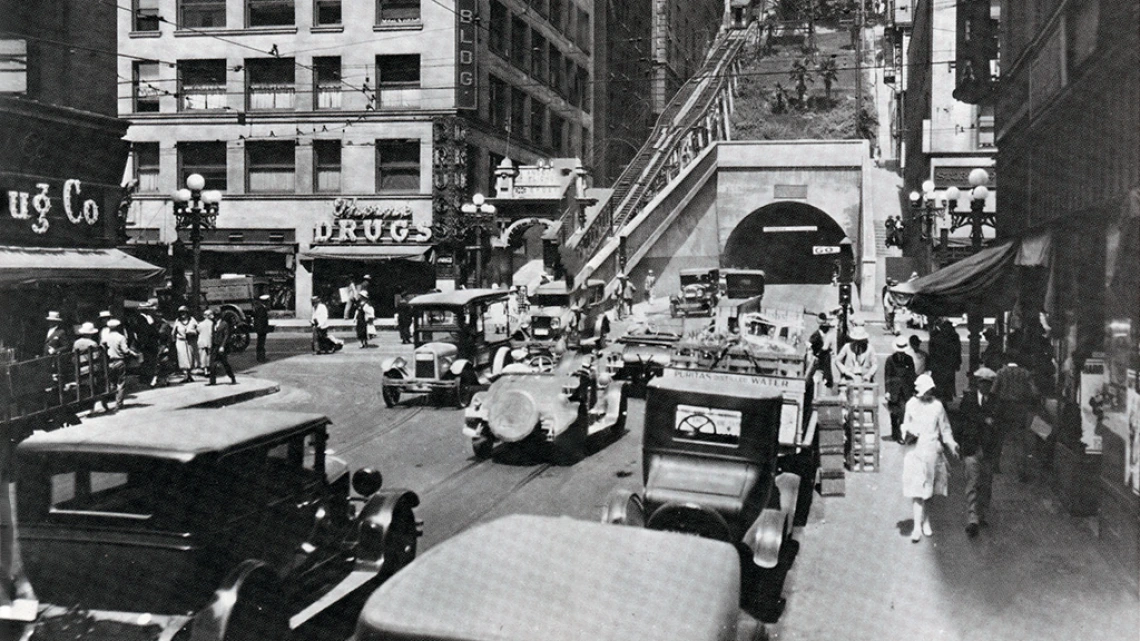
<point>709,463</point>
<point>577,317</point>
<point>698,293</point>
<point>742,292</point>
<point>525,578</point>
<point>458,336</point>
<point>217,525</point>
<point>558,409</point>
<point>639,356</point>
<point>233,296</point>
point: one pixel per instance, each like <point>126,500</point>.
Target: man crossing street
<point>219,352</point>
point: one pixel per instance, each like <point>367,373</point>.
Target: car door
<point>294,497</point>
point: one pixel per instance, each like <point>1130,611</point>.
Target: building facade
<point>344,136</point>
<point>624,111</point>
<point>1068,130</point>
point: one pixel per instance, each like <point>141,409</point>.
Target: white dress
<point>925,472</point>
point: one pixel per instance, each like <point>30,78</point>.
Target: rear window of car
<point>551,300</point>
<point>438,318</point>
<point>707,425</point>
<point>121,488</point>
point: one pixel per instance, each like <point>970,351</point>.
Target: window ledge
<point>214,31</point>
<point>145,34</point>
<point>327,28</point>
<point>416,25</point>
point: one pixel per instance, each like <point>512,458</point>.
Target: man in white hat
<point>898,375</point>
<point>977,436</point>
<point>118,351</point>
<point>205,340</point>
<point>856,360</point>
<point>104,316</point>
<point>56,339</point>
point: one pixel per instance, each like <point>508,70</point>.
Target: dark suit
<point>261,328</point>
<point>218,353</point>
<point>978,440</point>
<point>898,375</point>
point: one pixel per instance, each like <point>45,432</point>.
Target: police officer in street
<point>261,325</point>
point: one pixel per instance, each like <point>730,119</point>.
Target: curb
<point>240,397</point>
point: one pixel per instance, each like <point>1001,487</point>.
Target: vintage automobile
<point>640,355</point>
<point>742,292</point>
<point>458,336</point>
<point>525,578</point>
<point>216,524</point>
<point>698,293</point>
<point>710,467</point>
<point>557,313</point>
<point>557,409</point>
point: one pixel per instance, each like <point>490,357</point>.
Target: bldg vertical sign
<point>465,94</point>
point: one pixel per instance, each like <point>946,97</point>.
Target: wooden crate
<point>832,461</point>
<point>833,486</point>
<point>831,437</point>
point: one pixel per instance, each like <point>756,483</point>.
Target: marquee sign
<point>372,230</point>
<point>465,88</point>
<point>64,212</point>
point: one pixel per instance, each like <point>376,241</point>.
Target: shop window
<point>398,81</point>
<point>499,27</point>
<point>269,13</point>
<point>146,85</point>
<point>497,102</point>
<point>327,12</point>
<point>518,112</point>
<point>271,166</point>
<point>328,82</point>
<point>205,158</point>
<point>146,166</point>
<point>537,120</point>
<point>327,153</point>
<point>397,166</point>
<point>395,12</point>
<point>519,49</point>
<point>146,16</point>
<point>201,14</point>
<point>13,66</point>
<point>202,84</point>
<point>537,56</point>
<point>271,83</point>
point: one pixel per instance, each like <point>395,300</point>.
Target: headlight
<point>555,323</point>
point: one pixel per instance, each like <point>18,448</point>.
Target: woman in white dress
<point>926,429</point>
<point>185,341</point>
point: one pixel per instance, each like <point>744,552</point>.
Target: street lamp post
<point>195,209</point>
<point>478,213</point>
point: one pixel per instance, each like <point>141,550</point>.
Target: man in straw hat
<point>898,373</point>
<point>56,339</point>
<point>856,360</point>
<point>118,351</point>
<point>977,436</point>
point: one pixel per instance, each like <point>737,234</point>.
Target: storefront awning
<point>241,248</point>
<point>982,281</point>
<point>368,252</point>
<point>31,265</point>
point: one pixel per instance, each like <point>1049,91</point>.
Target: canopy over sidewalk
<point>21,266</point>
<point>983,281</point>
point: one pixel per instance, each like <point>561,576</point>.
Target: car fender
<point>458,365</point>
<point>615,391</point>
<point>212,622</point>
<point>766,536</point>
<point>398,363</point>
<point>624,507</point>
<point>374,523</point>
<point>789,486</point>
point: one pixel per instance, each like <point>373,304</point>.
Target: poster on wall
<point>1132,444</point>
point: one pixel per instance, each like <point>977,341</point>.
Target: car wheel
<point>391,394</point>
<point>401,542</point>
<point>239,340</point>
<point>464,389</point>
<point>483,447</point>
<point>618,427</point>
<point>260,613</point>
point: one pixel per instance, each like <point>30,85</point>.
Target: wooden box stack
<point>830,415</point>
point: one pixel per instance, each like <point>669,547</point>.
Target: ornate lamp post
<point>195,209</point>
<point>477,214</point>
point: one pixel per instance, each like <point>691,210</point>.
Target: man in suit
<point>219,353</point>
<point>261,325</point>
<point>978,439</point>
<point>56,339</point>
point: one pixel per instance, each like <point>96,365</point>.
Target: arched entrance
<point>787,241</point>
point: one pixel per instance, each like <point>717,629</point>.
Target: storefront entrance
<point>334,268</point>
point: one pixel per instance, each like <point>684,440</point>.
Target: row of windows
<point>270,84</point>
<point>529,118</point>
<point>211,14</point>
<point>271,166</point>
<point>529,51</point>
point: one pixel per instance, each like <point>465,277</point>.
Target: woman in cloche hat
<point>926,428</point>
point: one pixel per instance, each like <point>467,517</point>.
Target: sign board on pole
<point>820,250</point>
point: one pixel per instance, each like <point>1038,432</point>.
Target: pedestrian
<point>185,332</point>
<point>899,377</point>
<point>320,322</point>
<point>628,291</point>
<point>85,346</point>
<point>945,359</point>
<point>56,339</point>
<point>856,360</point>
<point>977,435</point>
<point>348,295</point>
<point>889,307</point>
<point>822,343</point>
<point>365,314</point>
<point>926,431</point>
<point>650,281</point>
<point>918,354</point>
<point>261,325</point>
<point>104,316</point>
<point>205,340</point>
<point>1015,396</point>
<point>219,353</point>
<point>118,351</point>
<point>404,317</point>
<point>992,356</point>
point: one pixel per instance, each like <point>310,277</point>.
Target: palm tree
<point>829,72</point>
<point>801,75</point>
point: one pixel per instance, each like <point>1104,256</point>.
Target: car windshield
<point>551,300</point>
<point>438,318</point>
<point>123,489</point>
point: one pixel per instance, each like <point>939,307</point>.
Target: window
<point>202,84</point>
<point>537,120</point>
<point>556,10</point>
<point>327,82</point>
<point>390,12</point>
<point>538,5</point>
<point>398,81</point>
<point>537,56</point>
<point>146,166</point>
<point>519,50</point>
<point>584,89</point>
<point>986,126</point>
<point>271,83</point>
<point>146,87</point>
<point>397,166</point>
<point>557,134</point>
<point>497,97</point>
<point>327,154</point>
<point>518,112</point>
<point>205,158</point>
<point>499,25</point>
<point>146,15</point>
<point>556,71</point>
<point>584,30</point>
<point>269,13</point>
<point>327,12</point>
<point>707,424</point>
<point>271,166</point>
<point>13,66</point>
<point>201,14</point>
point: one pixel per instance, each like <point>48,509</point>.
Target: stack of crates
<point>832,435</point>
<point>863,413</point>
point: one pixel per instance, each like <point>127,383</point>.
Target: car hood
<point>554,312</point>
<point>438,349</point>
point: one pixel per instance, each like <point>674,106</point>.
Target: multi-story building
<point>1068,130</point>
<point>683,30</point>
<point>624,111</point>
<point>343,135</point>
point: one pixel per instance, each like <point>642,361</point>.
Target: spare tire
<point>512,416</point>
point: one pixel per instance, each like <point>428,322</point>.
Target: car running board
<point>349,584</point>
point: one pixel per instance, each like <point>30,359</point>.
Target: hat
<point>901,343</point>
<point>183,308</point>
<point>368,277</point>
<point>88,329</point>
<point>113,323</point>
<point>105,314</point>
<point>54,317</point>
<point>985,374</point>
<point>316,298</point>
<point>208,312</point>
<point>824,319</point>
<point>151,303</point>
<point>923,384</point>
<point>263,297</point>
<point>364,293</point>
<point>858,333</point>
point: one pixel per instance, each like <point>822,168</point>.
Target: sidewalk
<point>1033,574</point>
<point>185,396</point>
